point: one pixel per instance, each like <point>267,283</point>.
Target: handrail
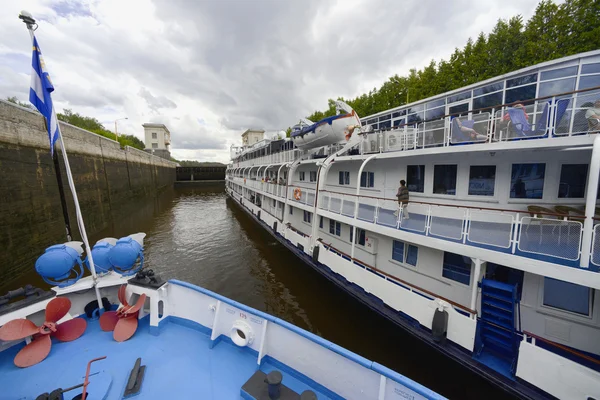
<point>399,280</point>
<point>564,348</point>
<point>452,205</point>
<point>303,187</point>
<point>498,106</point>
<point>289,225</point>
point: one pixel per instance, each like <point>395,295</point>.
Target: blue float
<point>124,255</point>
<point>100,255</point>
<point>59,262</point>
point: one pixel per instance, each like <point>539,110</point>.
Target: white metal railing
<point>545,118</point>
<point>302,195</point>
<point>502,230</point>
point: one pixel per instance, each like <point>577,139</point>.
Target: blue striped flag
<point>39,93</point>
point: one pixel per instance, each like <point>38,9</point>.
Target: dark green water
<point>200,236</point>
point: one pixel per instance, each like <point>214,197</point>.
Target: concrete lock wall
<point>108,180</point>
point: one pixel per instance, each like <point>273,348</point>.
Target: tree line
<point>554,31</point>
<point>89,124</point>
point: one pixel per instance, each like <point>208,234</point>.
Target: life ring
<point>297,193</point>
<point>244,181</point>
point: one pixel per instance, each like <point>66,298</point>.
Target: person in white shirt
<point>593,117</point>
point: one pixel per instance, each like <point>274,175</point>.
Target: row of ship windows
<point>527,180</point>
<point>522,88</point>
<point>557,294</point>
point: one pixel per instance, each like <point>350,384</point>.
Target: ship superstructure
<point>495,259</point>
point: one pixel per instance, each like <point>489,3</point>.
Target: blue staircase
<point>497,343</point>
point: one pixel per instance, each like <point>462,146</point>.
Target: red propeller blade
<point>137,306</point>
<point>57,308</point>
<point>108,321</point>
<point>123,295</point>
<point>70,330</point>
<point>34,352</point>
<point>18,329</point>
<point>125,329</point>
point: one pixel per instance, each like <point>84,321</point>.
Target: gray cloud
<point>156,103</point>
<point>232,64</point>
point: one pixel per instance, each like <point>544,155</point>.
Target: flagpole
<point>30,22</point>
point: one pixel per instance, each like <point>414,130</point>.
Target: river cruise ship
<point>495,258</point>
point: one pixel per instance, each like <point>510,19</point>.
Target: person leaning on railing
<point>593,117</point>
<point>403,198</point>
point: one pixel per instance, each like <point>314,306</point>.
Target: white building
<point>252,136</point>
<point>157,139</point>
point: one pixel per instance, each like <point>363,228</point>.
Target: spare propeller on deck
<point>39,348</point>
<point>124,321</point>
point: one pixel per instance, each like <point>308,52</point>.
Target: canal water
<point>200,236</point>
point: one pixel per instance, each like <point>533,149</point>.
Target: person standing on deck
<point>403,199</point>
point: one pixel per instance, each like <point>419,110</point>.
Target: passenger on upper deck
<point>470,131</point>
<point>593,117</point>
<point>506,117</point>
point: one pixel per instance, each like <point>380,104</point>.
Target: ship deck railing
<point>557,116</point>
<point>548,237</point>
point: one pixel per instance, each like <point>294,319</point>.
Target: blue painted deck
<point>179,364</point>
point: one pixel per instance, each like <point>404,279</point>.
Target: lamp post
<point>116,133</point>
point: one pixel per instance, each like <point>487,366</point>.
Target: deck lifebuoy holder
<point>297,194</point>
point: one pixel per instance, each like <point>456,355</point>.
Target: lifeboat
<point>330,130</point>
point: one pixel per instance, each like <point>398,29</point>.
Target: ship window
<point>522,80</point>
<point>494,87</point>
<point>384,118</point>
<point>567,296</point>
<point>360,236</point>
<point>321,222</point>
<point>415,118</point>
<point>415,178</point>
<point>589,81</point>
<point>556,87</point>
<point>398,251</point>
<point>436,103</point>
<point>291,210</point>
<point>302,177</point>
<point>520,94</point>
<point>335,228</point>
<point>386,124</point>
<point>399,122</point>
<point>344,178</point>
<point>313,176</point>
<point>457,268</point>
<point>572,181</point>
<point>405,253</point>
<point>590,68</point>
<point>558,73</point>
<point>444,179</point>
<point>459,97</point>
<point>488,101</point>
<point>527,181</point>
<point>274,203</point>
<point>307,217</point>
<point>412,253</point>
<point>399,114</point>
<point>435,113</point>
<point>482,179</point>
<point>367,179</point>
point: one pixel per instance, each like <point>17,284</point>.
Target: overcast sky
<point>211,69</point>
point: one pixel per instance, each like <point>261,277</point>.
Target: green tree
<point>20,103</point>
<point>93,125</point>
<point>553,31</point>
<point>288,132</point>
